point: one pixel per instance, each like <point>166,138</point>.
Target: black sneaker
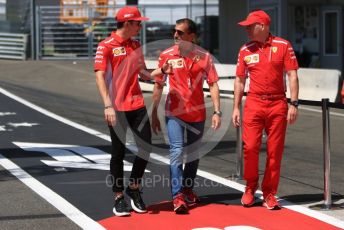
<point>121,207</point>
<point>136,200</point>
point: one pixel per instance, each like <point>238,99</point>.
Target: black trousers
<point>138,122</point>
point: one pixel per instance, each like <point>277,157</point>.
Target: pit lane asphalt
<point>68,89</point>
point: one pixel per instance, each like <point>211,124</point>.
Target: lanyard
<point>188,69</point>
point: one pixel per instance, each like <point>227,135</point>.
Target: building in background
<point>315,28</point>
<point>74,11</point>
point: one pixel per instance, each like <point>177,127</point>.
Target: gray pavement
<point>68,88</point>
<point>21,208</point>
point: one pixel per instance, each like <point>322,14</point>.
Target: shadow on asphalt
<point>309,198</point>
<point>223,199</point>
<point>31,217</point>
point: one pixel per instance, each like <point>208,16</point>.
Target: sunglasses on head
<point>179,32</point>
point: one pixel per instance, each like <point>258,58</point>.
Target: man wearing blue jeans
<point>185,109</point>
<point>181,180</point>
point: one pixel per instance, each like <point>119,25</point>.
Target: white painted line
<point>66,157</point>
<point>55,116</point>
<point>6,114</point>
<point>298,208</point>
<point>317,215</point>
<point>53,198</point>
<point>23,124</point>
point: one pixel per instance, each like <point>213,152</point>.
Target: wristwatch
<point>294,103</point>
<point>218,113</point>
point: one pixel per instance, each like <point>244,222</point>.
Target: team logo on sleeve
<point>118,51</point>
<point>251,59</point>
<point>274,49</point>
<point>176,63</point>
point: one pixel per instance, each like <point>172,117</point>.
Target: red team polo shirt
<point>185,98</point>
<point>120,59</point>
<point>264,64</point>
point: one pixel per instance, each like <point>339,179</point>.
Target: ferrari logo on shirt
<point>118,51</point>
<point>176,63</point>
<point>274,49</point>
<point>251,59</point>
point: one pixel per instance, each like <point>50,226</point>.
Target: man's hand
<point>110,116</point>
<point>236,118</point>
<point>167,67</point>
<point>292,114</point>
<point>216,122</point>
<point>156,127</point>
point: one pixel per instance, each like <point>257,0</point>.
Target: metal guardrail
<point>13,46</point>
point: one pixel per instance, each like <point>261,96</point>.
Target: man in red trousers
<point>265,60</point>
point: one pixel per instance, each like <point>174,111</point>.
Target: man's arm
<point>294,95</point>
<point>144,73</point>
<point>215,97</point>
<point>109,111</point>
<point>157,92</point>
<point>239,86</point>
<point>150,75</point>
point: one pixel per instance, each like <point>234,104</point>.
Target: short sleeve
<point>161,78</point>
<point>101,58</point>
<point>162,60</point>
<point>212,75</point>
<point>290,61</point>
<point>241,66</point>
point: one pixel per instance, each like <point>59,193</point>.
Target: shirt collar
<point>269,40</point>
<point>118,38</point>
<point>192,53</point>
<point>267,43</point>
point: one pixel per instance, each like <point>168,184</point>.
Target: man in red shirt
<point>118,62</point>
<point>185,109</point>
<point>264,60</point>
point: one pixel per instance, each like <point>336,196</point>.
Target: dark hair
<point>120,25</point>
<point>192,27</point>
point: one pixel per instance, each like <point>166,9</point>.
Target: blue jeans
<point>194,131</point>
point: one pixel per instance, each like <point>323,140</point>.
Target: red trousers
<point>269,114</point>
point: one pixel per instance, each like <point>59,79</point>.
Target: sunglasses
<point>138,23</point>
<point>179,32</point>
